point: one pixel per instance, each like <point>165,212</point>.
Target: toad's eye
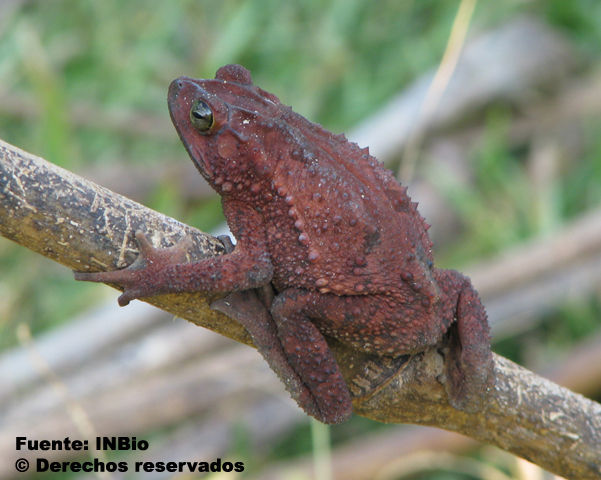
<point>201,116</point>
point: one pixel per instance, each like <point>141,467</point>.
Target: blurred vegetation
<point>334,61</point>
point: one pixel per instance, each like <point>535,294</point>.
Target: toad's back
<point>340,221</point>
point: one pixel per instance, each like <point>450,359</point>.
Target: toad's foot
<point>470,365</point>
<point>144,277</point>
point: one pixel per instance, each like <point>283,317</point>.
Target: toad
<point>338,238</point>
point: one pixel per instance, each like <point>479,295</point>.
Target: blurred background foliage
<point>83,84</point>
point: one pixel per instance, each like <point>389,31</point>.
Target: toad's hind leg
<point>470,370</point>
<point>383,325</point>
<point>251,309</point>
<point>309,354</point>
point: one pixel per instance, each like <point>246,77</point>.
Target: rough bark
<point>83,225</point>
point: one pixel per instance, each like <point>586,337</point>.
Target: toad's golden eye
<point>201,116</point>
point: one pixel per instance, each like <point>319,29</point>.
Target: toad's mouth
<point>199,161</point>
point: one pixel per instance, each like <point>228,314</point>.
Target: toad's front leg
<point>164,270</point>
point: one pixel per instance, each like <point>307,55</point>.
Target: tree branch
<point>87,227</point>
<point>84,226</point>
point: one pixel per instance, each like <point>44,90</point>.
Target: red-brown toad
<point>344,247</point>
